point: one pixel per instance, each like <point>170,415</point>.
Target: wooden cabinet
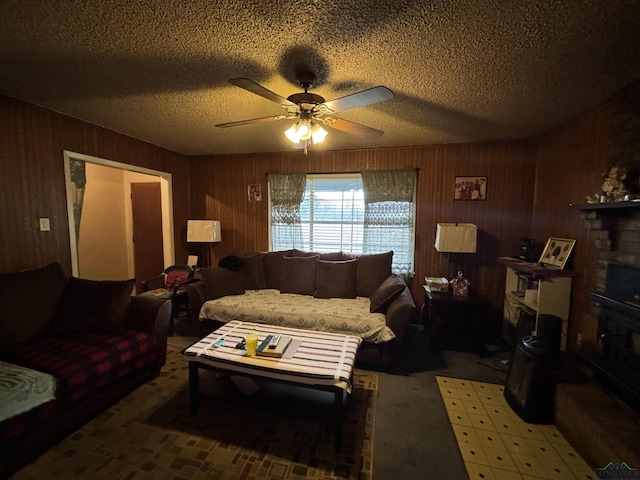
<point>533,290</point>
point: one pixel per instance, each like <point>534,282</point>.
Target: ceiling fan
<point>311,110</point>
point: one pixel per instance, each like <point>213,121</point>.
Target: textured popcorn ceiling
<point>461,71</point>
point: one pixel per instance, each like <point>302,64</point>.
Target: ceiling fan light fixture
<point>304,129</point>
<point>301,130</point>
<point>318,134</point>
<point>311,111</point>
<point>293,134</point>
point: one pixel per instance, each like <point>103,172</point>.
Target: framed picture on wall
<point>254,191</point>
<point>556,252</point>
<point>470,188</point>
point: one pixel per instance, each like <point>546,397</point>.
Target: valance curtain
<point>286,192</point>
<point>389,215</point>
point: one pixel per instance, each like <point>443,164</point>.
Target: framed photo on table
<point>470,188</point>
<point>556,252</point>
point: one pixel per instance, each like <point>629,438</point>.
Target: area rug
<point>278,432</point>
<point>496,443</point>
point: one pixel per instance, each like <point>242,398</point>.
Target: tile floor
<point>497,444</point>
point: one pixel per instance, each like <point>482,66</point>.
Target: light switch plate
<point>45,225</point>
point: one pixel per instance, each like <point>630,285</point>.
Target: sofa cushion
<point>93,304</point>
<point>373,269</point>
<point>336,279</point>
<point>300,253</point>
<point>298,275</point>
<point>220,282</point>
<point>386,293</point>
<point>252,272</point>
<point>334,256</point>
<point>272,263</point>
<point>82,362</point>
<point>29,302</point>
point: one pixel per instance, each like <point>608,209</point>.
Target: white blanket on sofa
<point>349,316</point>
<point>22,389</point>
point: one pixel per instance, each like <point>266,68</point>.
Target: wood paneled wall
<point>219,191</point>
<point>571,163</point>
<point>531,184</point>
<point>32,141</point>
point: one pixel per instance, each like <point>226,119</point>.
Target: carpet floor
<point>279,432</point>
<point>497,444</point>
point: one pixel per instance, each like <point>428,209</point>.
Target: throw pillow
<point>298,275</point>
<point>336,279</point>
<point>272,266</point>
<point>29,302</point>
<point>93,305</point>
<point>372,271</point>
<point>220,282</point>
<point>176,276</point>
<point>386,293</point>
<point>300,253</point>
<point>252,272</point>
<point>334,256</point>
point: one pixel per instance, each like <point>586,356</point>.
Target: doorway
<point>146,214</point>
<point>100,216</point>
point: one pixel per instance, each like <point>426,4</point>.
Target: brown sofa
<point>318,276</point>
<point>95,339</point>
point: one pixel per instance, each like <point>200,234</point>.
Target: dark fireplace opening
<point>616,362</point>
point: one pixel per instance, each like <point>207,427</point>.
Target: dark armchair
<point>168,286</point>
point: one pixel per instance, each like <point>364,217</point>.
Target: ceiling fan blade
<point>251,121</point>
<point>352,127</point>
<point>361,99</point>
<point>258,89</point>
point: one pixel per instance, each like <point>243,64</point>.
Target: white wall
<point>105,250</point>
<point>102,249</point>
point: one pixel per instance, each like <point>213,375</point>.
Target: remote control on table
<point>274,341</point>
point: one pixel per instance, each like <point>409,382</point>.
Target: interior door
<point>147,231</point>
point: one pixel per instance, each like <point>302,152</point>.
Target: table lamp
<point>206,232</point>
<point>456,238</point>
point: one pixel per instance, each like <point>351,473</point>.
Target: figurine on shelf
<point>613,185</point>
<point>596,198</point>
<point>460,285</point>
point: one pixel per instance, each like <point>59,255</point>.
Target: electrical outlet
<point>45,225</point>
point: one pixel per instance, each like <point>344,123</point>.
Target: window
<point>333,216</point>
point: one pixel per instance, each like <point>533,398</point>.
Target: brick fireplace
<point>615,359</point>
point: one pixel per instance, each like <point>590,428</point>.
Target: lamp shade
<point>204,231</point>
<point>456,237</point>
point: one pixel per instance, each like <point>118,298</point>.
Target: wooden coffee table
<point>318,360</point>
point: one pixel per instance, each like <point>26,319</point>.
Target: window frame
<point>346,176</point>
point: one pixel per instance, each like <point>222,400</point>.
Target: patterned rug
<point>496,444</point>
<point>279,432</point>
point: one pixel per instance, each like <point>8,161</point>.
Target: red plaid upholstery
<point>81,363</point>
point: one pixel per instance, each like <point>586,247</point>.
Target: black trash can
<point>530,389</point>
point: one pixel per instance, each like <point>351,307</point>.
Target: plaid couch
<point>93,337</point>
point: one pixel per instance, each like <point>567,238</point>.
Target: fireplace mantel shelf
<point>606,206</point>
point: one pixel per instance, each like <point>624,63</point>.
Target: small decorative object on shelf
<point>621,183</point>
<point>433,284</point>
<point>556,252</point>
<point>460,285</point>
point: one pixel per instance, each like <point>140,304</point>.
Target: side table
<point>455,322</point>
